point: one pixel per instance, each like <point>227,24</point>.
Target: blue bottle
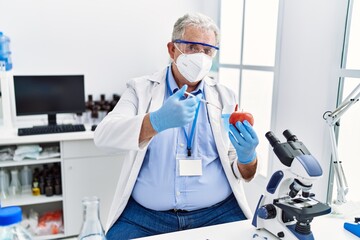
<point>5,54</point>
<point>10,228</point>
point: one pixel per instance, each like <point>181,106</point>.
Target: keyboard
<point>47,129</point>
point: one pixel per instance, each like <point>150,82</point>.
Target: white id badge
<point>190,167</point>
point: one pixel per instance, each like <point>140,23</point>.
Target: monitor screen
<point>49,95</point>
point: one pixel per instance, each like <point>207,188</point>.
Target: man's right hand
<point>176,112</point>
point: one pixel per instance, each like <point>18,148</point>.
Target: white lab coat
<point>120,130</point>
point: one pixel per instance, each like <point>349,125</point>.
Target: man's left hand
<point>245,141</point>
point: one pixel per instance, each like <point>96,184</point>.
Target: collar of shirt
<point>174,87</point>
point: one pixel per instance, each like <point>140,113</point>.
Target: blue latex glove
<point>176,112</point>
<point>245,140</point>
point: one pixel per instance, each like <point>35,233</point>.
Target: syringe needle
<point>203,100</point>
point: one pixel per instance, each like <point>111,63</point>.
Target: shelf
<point>79,160</point>
<point>23,200</point>
<point>11,163</point>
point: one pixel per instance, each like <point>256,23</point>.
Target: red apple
<point>241,116</point>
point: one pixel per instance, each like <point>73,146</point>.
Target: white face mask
<point>194,67</point>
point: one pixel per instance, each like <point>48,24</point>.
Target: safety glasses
<point>189,47</point>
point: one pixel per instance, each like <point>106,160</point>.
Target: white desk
<point>323,228</point>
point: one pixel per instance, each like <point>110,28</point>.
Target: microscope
<point>288,207</point>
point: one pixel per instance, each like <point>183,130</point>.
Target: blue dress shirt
<point>159,186</point>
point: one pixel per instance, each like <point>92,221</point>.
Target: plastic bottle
<point>91,228</point>
<point>26,180</point>
<point>5,54</point>
<point>4,184</point>
<point>5,65</point>
<point>15,186</point>
<point>10,227</point>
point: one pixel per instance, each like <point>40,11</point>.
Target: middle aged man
<point>183,168</point>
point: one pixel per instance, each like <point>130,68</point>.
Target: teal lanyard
<point>189,139</point>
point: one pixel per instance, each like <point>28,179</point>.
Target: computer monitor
<point>49,94</point>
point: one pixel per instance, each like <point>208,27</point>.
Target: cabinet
<point>85,171</point>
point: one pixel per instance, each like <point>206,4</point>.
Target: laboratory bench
<point>85,171</point>
<point>323,228</point>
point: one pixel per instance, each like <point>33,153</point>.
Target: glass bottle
<point>49,189</point>
<point>95,116</point>
<point>57,179</point>
<point>89,106</point>
<point>113,102</point>
<point>91,228</point>
<point>10,224</point>
<point>103,100</point>
<point>79,118</point>
<point>104,107</point>
<point>35,183</point>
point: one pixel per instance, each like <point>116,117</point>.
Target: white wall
<point>311,44</point>
<point>110,41</point>
<point>311,47</point>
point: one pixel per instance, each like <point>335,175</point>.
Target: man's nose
<point>201,50</point>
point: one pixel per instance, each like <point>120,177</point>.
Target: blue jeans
<point>137,221</point>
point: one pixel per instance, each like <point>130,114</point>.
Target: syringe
<point>204,101</point>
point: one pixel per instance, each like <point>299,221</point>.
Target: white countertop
<point>9,136</point>
<point>323,227</point>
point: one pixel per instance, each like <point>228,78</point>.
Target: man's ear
<point>171,49</point>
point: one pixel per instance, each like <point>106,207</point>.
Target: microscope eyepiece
<point>289,136</point>
<point>273,140</point>
<point>294,188</point>
<point>305,193</point>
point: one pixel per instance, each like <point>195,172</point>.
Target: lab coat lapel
<point>213,97</point>
<point>221,137</point>
<point>157,94</point>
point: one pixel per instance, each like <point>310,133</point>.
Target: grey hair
<point>198,20</point>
